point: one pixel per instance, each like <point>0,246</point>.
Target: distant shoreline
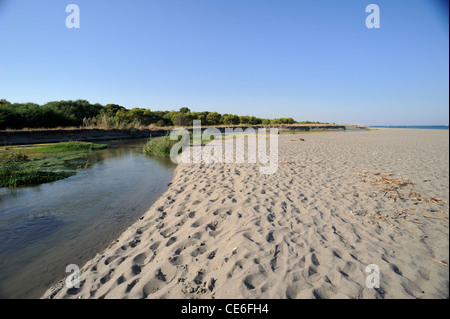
<point>431,127</point>
<point>37,136</point>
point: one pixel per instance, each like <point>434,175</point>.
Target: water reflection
<point>43,228</point>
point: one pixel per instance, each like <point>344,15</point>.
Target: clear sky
<point>310,60</point>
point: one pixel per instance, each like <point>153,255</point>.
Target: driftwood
<point>392,187</point>
<point>441,262</point>
<point>298,140</point>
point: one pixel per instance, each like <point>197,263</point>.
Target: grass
<point>13,177</point>
<point>161,146</point>
<point>25,165</point>
<point>72,146</point>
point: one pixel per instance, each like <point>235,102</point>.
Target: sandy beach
<point>339,201</point>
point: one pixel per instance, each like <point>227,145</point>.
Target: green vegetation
<point>12,175</point>
<point>36,165</point>
<point>81,113</point>
<point>159,146</point>
<point>71,146</point>
<point>53,114</point>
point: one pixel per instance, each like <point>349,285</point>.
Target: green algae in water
<point>68,147</point>
<point>12,178</point>
<point>36,165</point>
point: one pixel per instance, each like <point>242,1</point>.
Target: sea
<point>428,127</point>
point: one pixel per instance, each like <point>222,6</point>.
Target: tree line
<point>81,113</point>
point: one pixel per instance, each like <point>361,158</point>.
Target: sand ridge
<point>307,231</point>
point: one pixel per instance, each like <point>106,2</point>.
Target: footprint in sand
<point>155,246</point>
<point>251,282</point>
<point>151,287</point>
<point>199,278</point>
<point>121,279</point>
<point>176,260</point>
<point>269,237</point>
<point>110,259</point>
<point>134,242</point>
<point>131,285</point>
<point>171,241</point>
<point>136,270</point>
<point>107,277</point>
<point>198,251</point>
<point>168,231</point>
<point>140,259</point>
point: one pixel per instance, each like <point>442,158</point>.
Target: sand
<point>339,201</point>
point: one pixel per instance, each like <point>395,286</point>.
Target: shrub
<point>159,146</point>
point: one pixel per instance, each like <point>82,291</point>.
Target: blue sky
<point>310,60</point>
